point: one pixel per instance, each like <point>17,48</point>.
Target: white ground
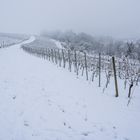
<point>40,101</point>
<point>57,43</point>
<point>7,39</point>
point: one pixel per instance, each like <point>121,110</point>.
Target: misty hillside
<point>90,44</point>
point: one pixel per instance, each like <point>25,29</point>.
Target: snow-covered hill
<point>7,39</point>
<point>40,101</point>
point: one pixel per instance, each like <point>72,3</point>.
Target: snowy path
<point>57,43</point>
<point>39,101</point>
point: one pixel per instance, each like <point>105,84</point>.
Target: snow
<point>10,39</point>
<point>41,101</point>
<point>57,43</point>
<point>42,42</point>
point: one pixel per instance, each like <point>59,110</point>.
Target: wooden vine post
<point>46,53</point>
<point>130,87</point>
<point>55,56</point>
<point>115,77</point>
<point>63,57</point>
<point>99,69</point>
<point>75,57</point>
<point>86,65</point>
<point>52,54</point>
<point>59,58</point>
<point>49,54</point>
<point>69,60</point>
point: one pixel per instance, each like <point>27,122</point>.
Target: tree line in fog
<point>90,44</point>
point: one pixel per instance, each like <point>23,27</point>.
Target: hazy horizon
<point>115,18</point>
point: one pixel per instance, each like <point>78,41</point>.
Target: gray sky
<point>117,18</point>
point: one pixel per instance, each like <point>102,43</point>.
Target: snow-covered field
<point>7,39</point>
<point>40,101</point>
<point>43,42</point>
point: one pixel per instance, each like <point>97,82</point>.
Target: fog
<point>117,18</point>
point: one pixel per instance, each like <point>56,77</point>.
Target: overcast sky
<point>117,18</point>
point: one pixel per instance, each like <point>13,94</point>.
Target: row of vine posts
<point>5,45</point>
<point>92,65</point>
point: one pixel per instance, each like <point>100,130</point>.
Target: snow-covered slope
<point>42,42</point>
<point>9,39</point>
<point>57,43</point>
<point>40,101</point>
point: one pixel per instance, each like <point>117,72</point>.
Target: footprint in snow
<point>14,97</point>
<point>85,134</point>
<point>21,113</point>
<point>64,124</point>
<point>84,106</point>
<point>115,137</point>
<point>49,102</point>
<point>126,138</point>
<point>114,127</point>
<point>101,129</point>
<point>62,110</point>
<point>69,127</point>
<point>43,89</point>
<point>26,123</point>
<point>85,119</point>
